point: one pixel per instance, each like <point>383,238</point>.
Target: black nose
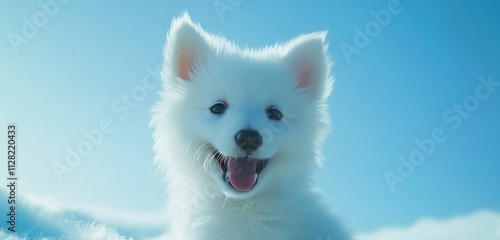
<point>248,140</point>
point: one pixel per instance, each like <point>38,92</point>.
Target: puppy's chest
<point>250,223</point>
<point>244,228</point>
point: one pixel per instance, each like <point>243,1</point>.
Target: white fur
<point>295,78</point>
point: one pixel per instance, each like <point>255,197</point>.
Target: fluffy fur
<point>201,70</point>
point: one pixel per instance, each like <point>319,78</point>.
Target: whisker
<point>191,106</point>
<point>189,144</point>
<point>245,207</point>
<point>199,152</point>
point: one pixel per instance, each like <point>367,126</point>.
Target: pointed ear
<point>310,64</point>
<point>186,48</point>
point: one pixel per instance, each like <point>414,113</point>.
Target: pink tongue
<point>242,173</point>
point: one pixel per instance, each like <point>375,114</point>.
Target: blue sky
<point>409,76</point>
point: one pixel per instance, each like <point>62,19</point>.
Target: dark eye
<point>274,114</point>
<point>218,108</point>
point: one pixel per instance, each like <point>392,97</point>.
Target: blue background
<point>64,80</point>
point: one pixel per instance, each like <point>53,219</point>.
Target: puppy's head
<point>243,120</point>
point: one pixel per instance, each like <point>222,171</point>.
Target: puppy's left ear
<point>310,64</point>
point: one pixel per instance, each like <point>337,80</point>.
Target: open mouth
<point>240,172</point>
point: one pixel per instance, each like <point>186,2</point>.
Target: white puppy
<point>238,133</point>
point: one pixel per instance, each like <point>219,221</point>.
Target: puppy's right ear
<point>186,48</point>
